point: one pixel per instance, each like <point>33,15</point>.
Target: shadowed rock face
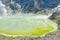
<point>28,5</point>
<point>41,3</point>
<point>33,5</point>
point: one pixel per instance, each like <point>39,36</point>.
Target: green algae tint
<point>30,26</point>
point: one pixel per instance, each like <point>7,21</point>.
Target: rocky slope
<point>31,5</point>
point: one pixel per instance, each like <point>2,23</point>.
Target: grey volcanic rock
<point>32,5</point>
<point>56,16</point>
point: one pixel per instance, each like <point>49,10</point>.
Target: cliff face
<point>32,5</point>
<point>41,3</point>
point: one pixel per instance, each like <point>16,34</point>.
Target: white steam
<point>3,10</point>
<point>6,10</point>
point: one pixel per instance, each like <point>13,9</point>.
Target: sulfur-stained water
<point>26,25</point>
